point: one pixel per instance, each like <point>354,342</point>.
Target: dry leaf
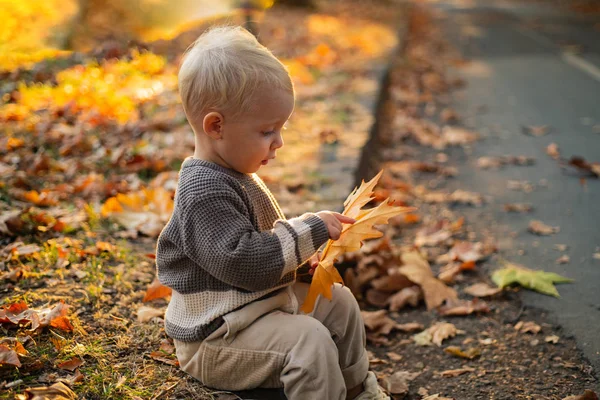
<point>411,295</point>
<point>455,136</point>
<point>464,197</point>
<point>457,372</point>
<point>564,259</point>
<point>540,281</point>
<point>458,352</point>
<point>437,397</point>
<point>156,290</point>
<point>553,151</point>
<point>518,207</point>
<point>436,334</point>
<point>587,395</point>
<point>397,383</point>
<point>147,210</point>
<point>417,269</point>
<point>58,391</point>
<point>467,251</point>
<point>551,339</point>
<point>435,234</point>
<point>394,356</point>
<point>145,313</point>
<point>393,282</point>
<point>350,240</point>
<point>377,298</point>
<point>463,307</point>
<point>380,323</point>
<point>72,364</point>
<point>535,130</point>
<point>527,327</point>
<point>539,228</point>
<point>9,356</point>
<point>482,290</point>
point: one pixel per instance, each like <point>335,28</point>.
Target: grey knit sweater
<point>226,245</point>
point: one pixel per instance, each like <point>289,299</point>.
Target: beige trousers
<point>313,356</point>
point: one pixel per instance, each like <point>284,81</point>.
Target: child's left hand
<point>313,262</point>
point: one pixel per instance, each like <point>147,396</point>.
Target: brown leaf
<point>518,207</point>
<point>527,327</point>
<point>145,313</point>
<point>539,228</point>
<point>58,391</point>
<point>551,339</point>
<point>535,130</point>
<point>463,307</point>
<point>464,197</point>
<point>394,356</point>
<point>411,295</point>
<point>437,397</point>
<point>553,151</point>
<point>436,334</point>
<point>467,251</point>
<point>377,298</point>
<point>160,356</point>
<point>458,352</point>
<point>72,364</point>
<point>397,383</point>
<point>391,283</point>
<point>579,166</point>
<point>457,372</point>
<point>9,356</point>
<point>482,290</point>
<point>156,290</point>
<point>587,395</point>
<point>417,269</point>
<point>455,136</point>
<point>564,259</point>
<point>380,323</point>
<point>433,235</point>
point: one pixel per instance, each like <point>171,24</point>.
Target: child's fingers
<point>344,219</point>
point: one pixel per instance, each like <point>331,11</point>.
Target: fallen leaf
<point>437,397</point>
<point>455,136</point>
<point>539,228</point>
<point>72,364</point>
<point>551,339</point>
<point>9,356</point>
<point>58,391</point>
<point>156,290</point>
<point>436,334</point>
<point>393,282</point>
<point>482,290</point>
<point>518,207</point>
<point>560,247</point>
<point>145,313</point>
<point>457,372</point>
<point>380,323</point>
<point>377,298</point>
<point>397,383</point>
<point>540,281</point>
<point>162,357</point>
<point>535,130</point>
<point>394,356</point>
<point>467,251</point>
<point>579,166</point>
<point>147,210</point>
<point>458,352</point>
<point>417,269</point>
<point>411,295</point>
<point>463,307</point>
<point>553,151</point>
<point>564,259</point>
<point>527,327</point>
<point>587,395</point>
<point>464,197</point>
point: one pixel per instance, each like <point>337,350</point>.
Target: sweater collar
<point>195,162</point>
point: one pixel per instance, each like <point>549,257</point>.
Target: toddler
<point>231,256</point>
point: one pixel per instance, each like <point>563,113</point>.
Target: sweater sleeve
<point>218,235</point>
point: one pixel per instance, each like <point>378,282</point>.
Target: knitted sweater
<point>226,245</point>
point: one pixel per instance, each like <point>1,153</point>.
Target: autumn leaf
<point>436,333</point>
<point>72,364</point>
<point>482,290</point>
<point>9,356</point>
<point>417,269</point>
<point>58,391</point>
<point>146,211</point>
<point>458,352</point>
<point>540,281</point>
<point>156,290</point>
<point>350,240</point>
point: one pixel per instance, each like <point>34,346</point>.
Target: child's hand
<point>313,262</point>
<point>334,221</point>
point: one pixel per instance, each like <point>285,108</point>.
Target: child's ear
<point>213,125</point>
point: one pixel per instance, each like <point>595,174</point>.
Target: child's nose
<point>278,142</point>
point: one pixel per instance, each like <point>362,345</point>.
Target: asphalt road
<point>535,64</point>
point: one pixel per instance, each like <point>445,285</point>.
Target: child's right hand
<point>334,221</point>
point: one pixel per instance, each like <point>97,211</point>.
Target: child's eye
<point>268,133</point>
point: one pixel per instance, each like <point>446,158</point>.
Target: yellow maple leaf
<point>350,239</point>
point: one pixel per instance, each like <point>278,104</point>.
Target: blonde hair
<point>222,70</point>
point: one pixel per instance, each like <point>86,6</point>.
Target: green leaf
<point>540,281</point>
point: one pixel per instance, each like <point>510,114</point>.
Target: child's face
<point>252,140</point>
